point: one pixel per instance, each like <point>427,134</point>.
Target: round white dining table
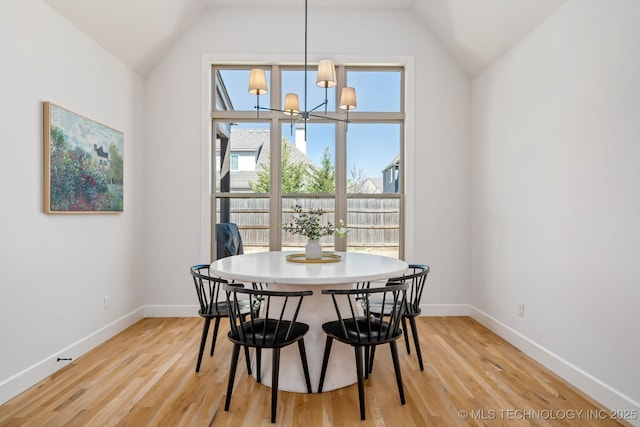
<point>278,273</point>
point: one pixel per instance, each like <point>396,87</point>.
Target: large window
<point>267,163</point>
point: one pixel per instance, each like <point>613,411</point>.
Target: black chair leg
<point>203,341</point>
<point>216,325</point>
<point>325,361</point>
<point>258,364</point>
<point>371,357</point>
<point>367,362</point>
<point>305,366</point>
<point>360,374</point>
<point>406,335</point>
<point>396,368</point>
<point>248,359</point>
<point>414,332</point>
<point>275,371</point>
<point>232,374</point>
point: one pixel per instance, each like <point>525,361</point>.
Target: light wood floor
<point>145,376</point>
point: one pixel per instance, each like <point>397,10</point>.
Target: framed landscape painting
<point>83,164</point>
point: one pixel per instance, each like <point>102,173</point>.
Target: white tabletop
<point>273,267</point>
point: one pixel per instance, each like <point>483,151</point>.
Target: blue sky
<point>370,147</point>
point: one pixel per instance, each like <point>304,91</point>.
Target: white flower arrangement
<point>308,224</point>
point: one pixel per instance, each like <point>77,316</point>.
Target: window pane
<point>293,82</point>
<point>251,216</point>
<point>232,91</point>
<point>370,172</point>
<point>308,166</point>
<point>374,226</point>
<point>242,157</point>
<point>297,242</point>
<point>376,90</point>
<point>373,158</point>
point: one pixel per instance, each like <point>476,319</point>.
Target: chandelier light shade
<point>326,74</point>
<point>257,85</point>
<point>257,82</point>
<point>348,99</point>
<point>291,105</point>
<point>326,79</point>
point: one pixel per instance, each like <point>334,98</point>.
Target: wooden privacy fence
<point>373,223</point>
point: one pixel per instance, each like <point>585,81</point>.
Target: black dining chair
<point>359,328</point>
<point>416,277</point>
<point>228,240</point>
<point>213,306</point>
<point>274,326</point>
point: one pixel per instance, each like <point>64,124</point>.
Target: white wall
<point>176,108</point>
<point>56,269</point>
<point>556,200</point>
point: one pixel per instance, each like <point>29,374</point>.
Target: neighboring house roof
<point>257,140</point>
<point>377,182</point>
<point>241,179</point>
<point>248,139</point>
<point>393,164</point>
<point>370,186</point>
<point>265,150</point>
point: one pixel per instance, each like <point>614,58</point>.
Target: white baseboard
<point>32,375</point>
<point>596,389</point>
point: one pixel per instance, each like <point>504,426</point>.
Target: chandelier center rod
<point>305,115</point>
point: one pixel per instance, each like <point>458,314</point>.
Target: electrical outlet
<point>106,302</point>
<point>521,310</point>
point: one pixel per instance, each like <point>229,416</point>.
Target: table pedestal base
<point>341,370</point>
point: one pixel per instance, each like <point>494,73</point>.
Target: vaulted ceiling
<point>476,32</point>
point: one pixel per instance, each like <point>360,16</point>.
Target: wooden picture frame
<point>83,164</point>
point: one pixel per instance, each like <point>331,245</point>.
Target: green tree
<point>323,178</point>
<point>294,174</point>
<point>58,141</point>
<point>115,173</point>
<point>262,184</point>
<point>64,173</point>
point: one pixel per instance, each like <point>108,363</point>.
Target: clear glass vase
<point>313,250</point>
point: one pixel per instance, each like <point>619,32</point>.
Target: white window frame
<point>407,241</point>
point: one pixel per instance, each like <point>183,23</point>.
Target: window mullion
<point>341,163</point>
<point>275,196</point>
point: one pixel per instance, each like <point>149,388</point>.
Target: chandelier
<point>326,78</point>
